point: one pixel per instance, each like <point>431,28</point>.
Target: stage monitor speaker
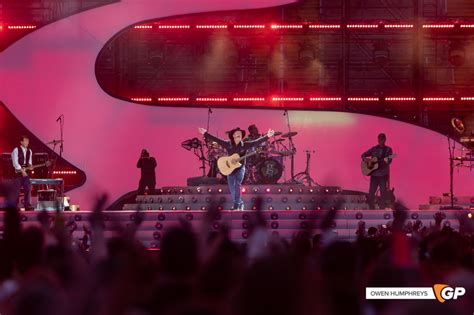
<point>202,180</point>
<point>6,166</point>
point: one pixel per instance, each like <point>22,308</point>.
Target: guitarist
<point>235,144</point>
<point>22,162</point>
<point>380,176</point>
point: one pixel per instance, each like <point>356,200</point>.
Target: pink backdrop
<point>51,72</point>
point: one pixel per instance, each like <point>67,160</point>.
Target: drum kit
<point>265,167</point>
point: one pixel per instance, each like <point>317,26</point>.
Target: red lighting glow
<point>363,99</point>
<point>400,99</point>
<point>467,98</point>
<point>143,26</point>
<point>323,26</point>
<point>284,99</point>
<point>249,99</point>
<point>438,26</point>
<point>173,26</point>
<point>466,26</point>
<point>249,26</point>
<point>288,26</point>
<point>438,99</point>
<point>243,190</point>
<point>211,26</point>
<point>172,99</point>
<point>398,25</point>
<point>325,99</point>
<point>211,99</point>
<point>141,99</point>
<point>268,190</point>
<point>362,25</point>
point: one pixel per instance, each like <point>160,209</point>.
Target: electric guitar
<point>227,164</point>
<point>32,167</point>
<point>368,166</point>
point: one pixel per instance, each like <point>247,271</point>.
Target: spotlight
<point>298,200</point>
<point>457,53</point>
<point>173,208</point>
<point>270,208</point>
<point>279,190</point>
<point>209,190</point>
<point>311,190</point>
<point>254,207</point>
<point>203,208</point>
<point>306,54</point>
<point>255,189</point>
<point>268,190</point>
<point>198,189</point>
<point>274,216</point>
<point>181,191</point>
<point>290,190</point>
<point>284,200</point>
<point>274,225</point>
<point>381,53</point>
<point>243,190</point>
<point>188,208</point>
<point>219,190</point>
<point>458,125</point>
<point>288,208</point>
<point>220,208</point>
<point>303,208</point>
<point>160,208</point>
<point>469,215</point>
<point>161,217</point>
<point>156,235</point>
<point>158,226</point>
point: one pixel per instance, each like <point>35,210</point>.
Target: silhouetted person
<point>147,164</point>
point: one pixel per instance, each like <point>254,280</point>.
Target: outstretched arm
<point>256,142</point>
<point>208,136</point>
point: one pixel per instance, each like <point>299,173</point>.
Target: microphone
<point>59,118</point>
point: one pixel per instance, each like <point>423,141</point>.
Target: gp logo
<point>444,292</point>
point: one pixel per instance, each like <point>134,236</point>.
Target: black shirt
<point>380,153</point>
<point>240,149</point>
<point>147,166</point>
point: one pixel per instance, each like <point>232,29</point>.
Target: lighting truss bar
<point>362,25</point>
<point>64,172</point>
<point>398,26</point>
<point>400,99</point>
<point>248,26</point>
<point>286,99</point>
<point>141,99</point>
<point>286,26</point>
<point>325,99</point>
<point>143,26</point>
<point>248,99</point>
<point>173,26</point>
<point>21,27</point>
<point>172,99</point>
<point>438,99</point>
<point>324,26</point>
<point>470,98</point>
<point>211,99</point>
<point>211,26</point>
<point>438,26</point>
<point>466,26</point>
<point>363,99</point>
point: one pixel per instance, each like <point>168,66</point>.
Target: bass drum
<point>268,171</point>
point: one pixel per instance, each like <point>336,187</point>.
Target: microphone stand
<point>292,149</point>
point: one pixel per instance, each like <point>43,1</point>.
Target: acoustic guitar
<point>368,166</point>
<point>227,164</point>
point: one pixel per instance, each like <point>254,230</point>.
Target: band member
<point>147,164</point>
<point>379,177</point>
<point>235,144</point>
<point>22,163</point>
<point>253,133</point>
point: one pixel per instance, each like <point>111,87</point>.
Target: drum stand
<point>304,176</point>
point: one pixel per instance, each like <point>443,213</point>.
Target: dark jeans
<point>377,181</point>
<point>150,183</point>
<point>23,182</point>
<point>234,180</point>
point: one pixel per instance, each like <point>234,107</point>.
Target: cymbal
<point>55,142</point>
<point>282,153</point>
<point>278,140</point>
<point>277,133</point>
<point>289,134</point>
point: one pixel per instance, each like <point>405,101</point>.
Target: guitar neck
<point>247,155</point>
